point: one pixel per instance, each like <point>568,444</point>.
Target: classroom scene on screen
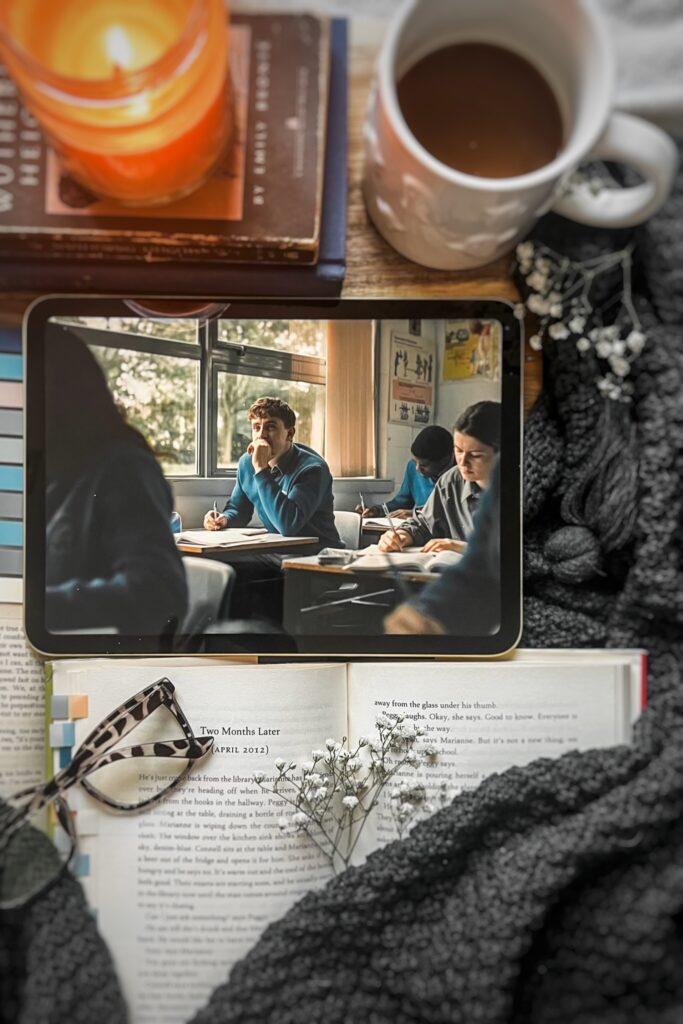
<point>301,477</point>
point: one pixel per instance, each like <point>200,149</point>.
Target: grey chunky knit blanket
<point>551,893</point>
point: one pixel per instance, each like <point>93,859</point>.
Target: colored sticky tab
<point>10,339</point>
<point>10,367</point>
<point>64,756</point>
<point>12,450</point>
<point>11,478</point>
<point>81,866</point>
<point>11,533</point>
<point>59,706</point>
<point>78,705</point>
<point>62,734</point>
<point>11,394</point>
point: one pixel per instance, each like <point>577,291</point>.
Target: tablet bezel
<point>301,645</point>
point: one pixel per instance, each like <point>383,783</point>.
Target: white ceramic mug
<point>448,220</point>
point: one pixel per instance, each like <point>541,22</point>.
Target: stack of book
<point>271,221</point>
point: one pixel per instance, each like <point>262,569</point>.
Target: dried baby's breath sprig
<point>332,795</point>
<point>561,295</point>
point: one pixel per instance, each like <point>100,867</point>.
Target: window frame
<point>214,357</point>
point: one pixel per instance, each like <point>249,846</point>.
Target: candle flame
<point>118,47</point>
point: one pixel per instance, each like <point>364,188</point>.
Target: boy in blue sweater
<point>288,484</point>
<point>290,487</point>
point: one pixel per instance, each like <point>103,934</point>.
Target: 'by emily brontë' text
<point>244,730</point>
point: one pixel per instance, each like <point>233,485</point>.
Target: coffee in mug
<point>482,110</point>
<point>480,114</point>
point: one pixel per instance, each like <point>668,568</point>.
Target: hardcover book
<point>273,204</point>
<point>184,889</point>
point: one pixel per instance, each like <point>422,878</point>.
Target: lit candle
<point>132,93</point>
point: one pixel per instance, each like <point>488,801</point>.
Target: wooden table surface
<point>374,269</point>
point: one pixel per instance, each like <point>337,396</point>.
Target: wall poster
<point>412,378</point>
<point>472,350</point>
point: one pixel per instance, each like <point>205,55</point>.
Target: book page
<point>184,889</point>
<point>486,717</point>
<point>22,707</point>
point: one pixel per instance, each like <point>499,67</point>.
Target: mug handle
<point>642,146</point>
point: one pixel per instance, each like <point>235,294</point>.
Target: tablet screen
<point>281,478</point>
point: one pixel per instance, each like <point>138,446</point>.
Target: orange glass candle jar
<point>133,94</point>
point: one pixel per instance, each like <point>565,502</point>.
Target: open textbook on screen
<point>184,889</point>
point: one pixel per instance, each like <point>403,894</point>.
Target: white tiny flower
<point>577,324</point>
<point>595,334</point>
<point>350,802</point>
<point>355,764</point>
<point>556,309</point>
<point>619,347</point>
<point>558,331</point>
<point>318,755</point>
<point>611,332</point>
<point>535,343</point>
<point>300,819</point>
<point>307,767</point>
<point>395,794</point>
<point>406,809</point>
<point>525,251</point>
<point>603,348</point>
<point>519,310</point>
<point>604,384</point>
<point>413,760</point>
<point>620,366</point>
<point>330,743</point>
<point>282,823</point>
<point>258,777</point>
<point>320,794</point>
<point>280,764</point>
<point>382,721</point>
<point>344,755</point>
<point>315,779</point>
<point>538,305</point>
<point>583,345</point>
<point>537,281</point>
<point>543,264</point>
<point>363,741</point>
<point>636,342</point>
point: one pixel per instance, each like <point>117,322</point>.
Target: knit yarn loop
<point>573,553</point>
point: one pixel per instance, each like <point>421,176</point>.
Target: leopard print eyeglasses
<point>29,862</point>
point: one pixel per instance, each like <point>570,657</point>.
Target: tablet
<point>272,477</point>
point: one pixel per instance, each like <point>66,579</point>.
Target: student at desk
<point>447,519</point>
<point>290,487</point>
<point>288,484</point>
<point>432,452</point>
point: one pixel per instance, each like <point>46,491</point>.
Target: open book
<point>184,889</point>
<point>411,559</point>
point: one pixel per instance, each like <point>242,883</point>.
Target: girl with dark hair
<point>111,561</point>
<point>447,520</point>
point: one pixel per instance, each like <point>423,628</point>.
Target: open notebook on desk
<point>219,538</point>
<point>411,559</point>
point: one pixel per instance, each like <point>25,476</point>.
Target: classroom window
<point>253,358</point>
<point>236,392</point>
<point>158,395</point>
